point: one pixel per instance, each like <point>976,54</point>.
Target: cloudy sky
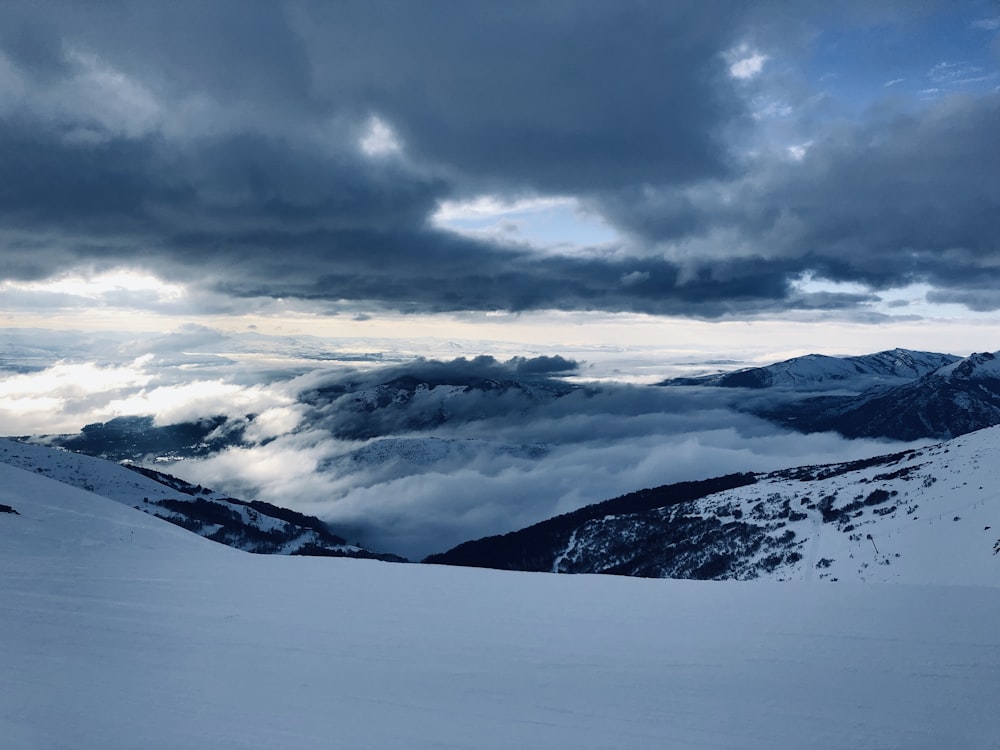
<point>770,176</point>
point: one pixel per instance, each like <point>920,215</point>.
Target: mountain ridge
<point>824,521</point>
<point>820,370</point>
<point>957,398</point>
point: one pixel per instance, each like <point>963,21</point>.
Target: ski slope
<point>122,631</point>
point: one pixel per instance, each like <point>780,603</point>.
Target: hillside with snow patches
<point>930,515</point>
<point>122,630</point>
<point>251,526</point>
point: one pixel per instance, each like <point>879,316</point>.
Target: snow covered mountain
<point>898,394</point>
<point>120,630</point>
<point>251,526</point>
<point>818,371</point>
<point>952,400</point>
<point>927,515</point>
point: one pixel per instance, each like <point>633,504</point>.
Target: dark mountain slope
<point>535,548</point>
<point>918,515</point>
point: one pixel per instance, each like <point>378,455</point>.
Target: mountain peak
<point>956,398</point>
<point>977,366</point>
<point>822,371</point>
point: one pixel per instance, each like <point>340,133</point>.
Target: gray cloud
<point>218,145</point>
<point>907,198</point>
<point>974,298</point>
<point>543,365</point>
<point>537,94</point>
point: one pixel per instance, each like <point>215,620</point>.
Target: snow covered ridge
<point>818,371</point>
<point>980,366</point>
<point>955,399</point>
<point>250,526</point>
<point>899,394</point>
<point>922,516</point>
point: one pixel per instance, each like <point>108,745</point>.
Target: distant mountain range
<point>898,394</point>
<point>821,371</point>
<point>928,515</point>
<point>250,526</point>
<point>423,401</point>
<point>952,400</point>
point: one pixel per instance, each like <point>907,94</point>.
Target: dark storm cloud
<point>235,52</point>
<point>913,198</point>
<point>435,271</point>
<point>907,198</point>
<point>543,365</point>
<point>218,144</point>
<point>557,96</point>
<point>975,298</point>
<point>462,370</point>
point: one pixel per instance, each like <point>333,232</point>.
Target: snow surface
<point>97,475</point>
<point>122,631</point>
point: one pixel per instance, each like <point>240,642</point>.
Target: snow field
<point>122,631</point>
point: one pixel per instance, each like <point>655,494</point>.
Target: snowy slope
<point>96,475</point>
<point>815,371</point>
<point>121,631</point>
<point>253,527</point>
<point>979,366</point>
<point>57,522</point>
<point>927,515</point>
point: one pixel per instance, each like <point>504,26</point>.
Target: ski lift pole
<point>873,543</point>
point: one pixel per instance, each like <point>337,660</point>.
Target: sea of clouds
<point>403,454</point>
